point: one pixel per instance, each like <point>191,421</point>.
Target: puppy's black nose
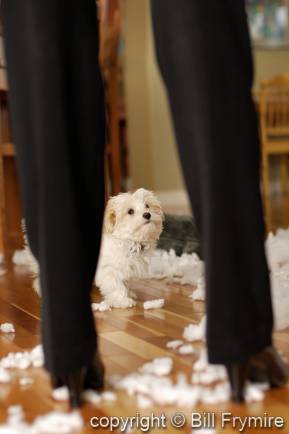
<point>146,215</point>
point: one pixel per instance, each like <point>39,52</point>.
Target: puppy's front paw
<point>132,294</point>
<point>122,303</point>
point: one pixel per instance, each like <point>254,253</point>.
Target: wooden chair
<point>10,204</point>
<point>274,129</point>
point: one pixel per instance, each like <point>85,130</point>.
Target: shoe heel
<point>237,374</point>
<point>75,382</point>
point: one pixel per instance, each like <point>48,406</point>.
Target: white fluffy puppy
<point>133,223</point>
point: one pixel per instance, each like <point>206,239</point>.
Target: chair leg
<point>3,227</point>
<point>284,174</point>
<point>266,192</point>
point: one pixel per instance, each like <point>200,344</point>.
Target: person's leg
<point>204,55</point>
<point>58,120</point>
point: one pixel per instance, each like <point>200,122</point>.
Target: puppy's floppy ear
<point>109,216</point>
<point>155,203</point>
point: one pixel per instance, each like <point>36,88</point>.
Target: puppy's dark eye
<point>130,211</point>
<point>147,205</point>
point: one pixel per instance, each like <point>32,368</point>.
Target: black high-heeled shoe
<point>264,366</point>
<point>88,377</point>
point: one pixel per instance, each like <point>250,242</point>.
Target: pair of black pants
<point>204,55</point>
<point>58,119</point>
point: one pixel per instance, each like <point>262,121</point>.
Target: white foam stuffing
<point>173,345</point>
<point>277,250</point>
<point>58,423</point>
<point>20,257</point>
<point>159,366</point>
<point>7,327</point>
<point>154,304</point>
<point>195,332</point>
<point>254,393</point>
<point>109,396</point>
<point>184,269</point>
<point>92,397</point>
<point>100,307</point>
<point>199,292</point>
<point>189,269</point>
<point>186,349</point>
<point>51,423</point>
<point>144,401</point>
<point>26,381</point>
<point>160,389</point>
<point>202,361</point>
<point>24,360</point>
<point>5,376</point>
<point>60,393</point>
<point>204,431</point>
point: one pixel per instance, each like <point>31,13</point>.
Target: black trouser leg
<point>57,106</point>
<point>204,55</point>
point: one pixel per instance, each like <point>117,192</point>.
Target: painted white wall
<point>153,158</point>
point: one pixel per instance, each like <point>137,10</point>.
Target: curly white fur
<point>129,238</point>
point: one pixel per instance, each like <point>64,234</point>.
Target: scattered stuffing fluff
<point>60,394</point>
<point>96,398</point>
<point>202,361</point>
<point>101,307</point>
<point>277,250</point>
<point>24,360</point>
<point>154,304</point>
<point>92,397</point>
<point>211,374</point>
<point>20,257</point>
<point>204,373</point>
<point>159,366</point>
<point>204,431</point>
<point>50,423</point>
<point>58,423</point>
<point>173,345</point>
<point>7,327</point>
<point>5,376</point>
<point>186,349</point>
<point>144,402</point>
<point>187,268</point>
<point>26,381</point>
<point>160,389</point>
<point>109,396</point>
<point>199,292</point>
<point>195,332</point>
<point>254,393</point>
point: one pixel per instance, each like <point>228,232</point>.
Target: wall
<point>269,63</point>
<point>153,158</point>
<point>136,17</point>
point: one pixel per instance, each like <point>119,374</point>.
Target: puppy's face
<point>134,216</point>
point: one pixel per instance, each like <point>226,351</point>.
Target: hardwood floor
<point>128,338</point>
